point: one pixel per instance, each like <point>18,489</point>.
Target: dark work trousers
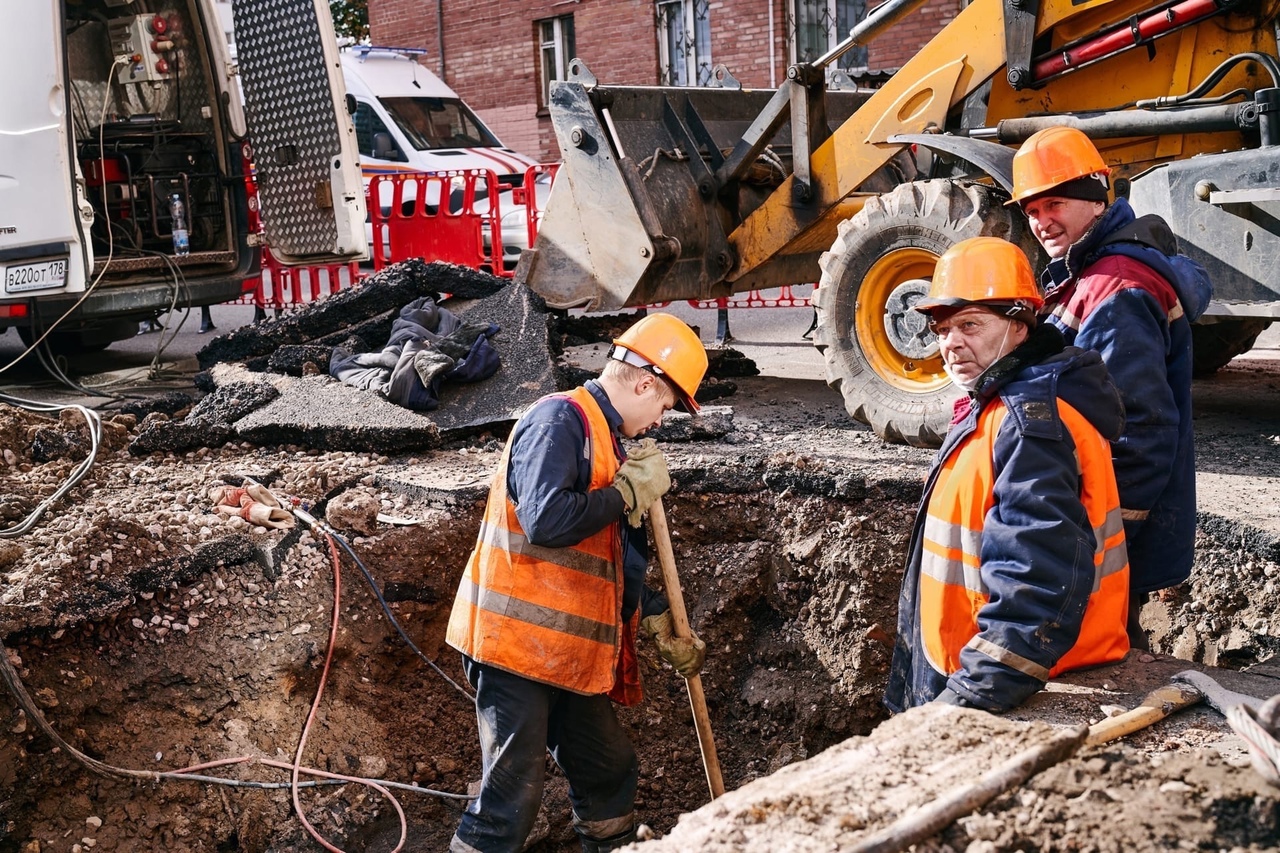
<point>1138,638</point>
<point>519,721</point>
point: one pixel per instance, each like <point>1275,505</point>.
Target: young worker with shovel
<point>1017,567</point>
<point>547,611</point>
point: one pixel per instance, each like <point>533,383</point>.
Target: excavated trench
<point>788,574</point>
<point>156,635</point>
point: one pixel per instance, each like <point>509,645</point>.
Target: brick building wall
<point>740,40</point>
<point>894,48</point>
<point>491,49</point>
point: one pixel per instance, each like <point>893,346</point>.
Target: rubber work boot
<point>604,845</point>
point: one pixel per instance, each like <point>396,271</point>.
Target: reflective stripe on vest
<point>952,591</point>
<point>549,614</point>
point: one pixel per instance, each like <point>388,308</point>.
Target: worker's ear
<point>645,384</point>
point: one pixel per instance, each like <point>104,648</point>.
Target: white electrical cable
<point>94,421</point>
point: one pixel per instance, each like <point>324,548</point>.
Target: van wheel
<point>878,352</point>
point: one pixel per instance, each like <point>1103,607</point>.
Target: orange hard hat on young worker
<point>667,347</point>
<point>1059,161</point>
<point>984,271</point>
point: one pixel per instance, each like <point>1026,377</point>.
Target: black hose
<point>324,528</point>
<point>1214,78</point>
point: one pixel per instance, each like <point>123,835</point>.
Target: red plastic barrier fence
<point>449,216</point>
<point>290,287</point>
<point>757,299</point>
<point>527,195</point>
<point>466,231</point>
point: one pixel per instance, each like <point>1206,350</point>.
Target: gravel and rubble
<point>155,633</point>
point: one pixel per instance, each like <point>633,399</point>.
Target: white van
<point>117,129</point>
<point>408,120</point>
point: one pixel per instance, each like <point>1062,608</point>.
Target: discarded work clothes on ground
<point>428,345</point>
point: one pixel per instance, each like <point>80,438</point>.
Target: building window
<point>684,42</point>
<point>816,26</point>
<point>555,49</point>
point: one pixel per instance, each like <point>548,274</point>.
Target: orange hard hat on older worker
<point>984,271</point>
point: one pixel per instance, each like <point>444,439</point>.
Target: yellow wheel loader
<point>678,193</point>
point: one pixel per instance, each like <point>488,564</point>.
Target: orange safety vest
<point>553,615</point>
<point>951,586</point>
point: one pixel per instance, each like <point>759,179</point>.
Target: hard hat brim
<point>928,304</point>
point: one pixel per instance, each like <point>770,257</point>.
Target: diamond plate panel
<point>289,108</point>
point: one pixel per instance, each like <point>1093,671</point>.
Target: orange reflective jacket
<point>553,615</point>
<point>952,590</point>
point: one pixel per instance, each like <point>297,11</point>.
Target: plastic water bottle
<point>178,217</point>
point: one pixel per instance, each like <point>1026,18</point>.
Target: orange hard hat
<point>985,271</point>
<point>1056,156</point>
<point>665,346</point>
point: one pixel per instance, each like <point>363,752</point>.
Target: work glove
<point>254,503</point>
<point>642,479</point>
<point>686,655</point>
<point>430,364</point>
<point>457,344</point>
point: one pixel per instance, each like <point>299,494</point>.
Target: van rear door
<point>40,241</point>
<point>303,141</point>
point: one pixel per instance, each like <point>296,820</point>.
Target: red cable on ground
<point>296,767</point>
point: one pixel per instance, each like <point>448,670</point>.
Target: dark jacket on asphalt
<point>1124,291</point>
<point>1035,544</point>
<point>428,345</point>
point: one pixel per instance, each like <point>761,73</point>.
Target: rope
<point>1264,750</point>
<point>296,769</point>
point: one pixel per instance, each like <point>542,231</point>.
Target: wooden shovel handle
<point>680,621</point>
<point>1157,705</point>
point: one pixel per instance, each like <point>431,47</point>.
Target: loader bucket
<point>634,217</point>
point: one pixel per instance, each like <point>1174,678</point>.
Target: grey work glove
<point>686,655</point>
<point>642,479</point>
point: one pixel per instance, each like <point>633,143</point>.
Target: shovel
<point>680,620</point>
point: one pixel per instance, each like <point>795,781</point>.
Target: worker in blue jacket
<point>547,611</point>
<point>1016,569</point>
<point>1116,283</point>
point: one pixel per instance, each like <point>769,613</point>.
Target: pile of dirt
<point>868,792</point>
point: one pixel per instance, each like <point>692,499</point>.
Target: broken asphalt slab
<point>319,411</point>
<point>377,298</point>
<point>267,385</point>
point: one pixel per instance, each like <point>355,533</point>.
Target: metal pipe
<point>440,34</point>
<point>773,69</point>
<point>1268,101</point>
<point>1129,123</point>
<point>881,18</point>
